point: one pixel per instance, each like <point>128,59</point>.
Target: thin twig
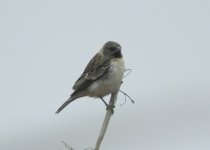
<point>128,96</point>
<point>129,71</point>
<point>67,146</point>
<point>107,118</point>
<point>124,101</point>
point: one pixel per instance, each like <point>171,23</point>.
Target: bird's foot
<point>111,108</point>
<point>108,107</point>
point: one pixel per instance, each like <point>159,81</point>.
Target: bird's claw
<point>111,108</point>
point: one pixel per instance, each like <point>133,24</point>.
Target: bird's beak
<point>118,50</point>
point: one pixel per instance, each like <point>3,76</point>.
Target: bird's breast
<point>111,83</point>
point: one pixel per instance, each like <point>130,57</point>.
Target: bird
<point>102,76</point>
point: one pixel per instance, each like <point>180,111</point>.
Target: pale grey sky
<point>45,45</point>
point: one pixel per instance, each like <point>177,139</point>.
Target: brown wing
<point>98,67</point>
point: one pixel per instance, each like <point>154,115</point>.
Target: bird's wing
<point>98,67</point>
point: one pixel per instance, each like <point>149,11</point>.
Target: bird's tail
<point>76,94</point>
<point>65,104</point>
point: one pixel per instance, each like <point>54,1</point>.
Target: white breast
<point>109,85</point>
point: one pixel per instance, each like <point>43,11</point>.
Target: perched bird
<point>102,75</point>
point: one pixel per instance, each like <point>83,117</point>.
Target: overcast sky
<point>45,45</point>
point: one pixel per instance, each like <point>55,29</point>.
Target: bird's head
<point>112,49</point>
